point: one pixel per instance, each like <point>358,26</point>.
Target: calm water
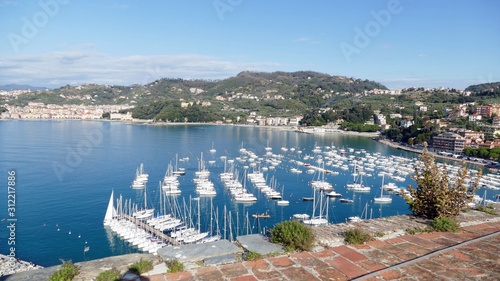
<point>67,169</point>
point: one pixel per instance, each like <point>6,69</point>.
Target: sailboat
<point>242,149</point>
<point>383,198</point>
<point>145,213</point>
<point>204,186</point>
<point>282,202</point>
<point>358,186</point>
<point>242,195</point>
<point>141,178</point>
<point>213,149</point>
<point>358,218</point>
<point>110,211</point>
<point>321,183</point>
<point>268,148</point>
<point>178,171</point>
<point>320,219</point>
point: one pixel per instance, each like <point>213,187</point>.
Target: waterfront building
<point>471,137</point>
<point>449,141</point>
<point>491,132</point>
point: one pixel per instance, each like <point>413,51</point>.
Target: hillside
<point>276,93</point>
<point>484,87</point>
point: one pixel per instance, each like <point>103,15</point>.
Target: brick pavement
<point>408,257</point>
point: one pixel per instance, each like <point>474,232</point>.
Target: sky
<point>399,43</point>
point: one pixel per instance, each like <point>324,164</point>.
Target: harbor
<point>180,224</point>
<point>276,169</point>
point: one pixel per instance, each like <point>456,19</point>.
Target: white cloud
<point>88,66</point>
<point>302,39</point>
<point>6,3</point>
<point>120,6</point>
<point>306,40</point>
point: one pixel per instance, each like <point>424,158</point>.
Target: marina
<point>249,170</point>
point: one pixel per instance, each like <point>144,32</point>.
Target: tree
<point>437,195</point>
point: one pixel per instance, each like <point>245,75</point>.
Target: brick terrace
<point>408,257</point>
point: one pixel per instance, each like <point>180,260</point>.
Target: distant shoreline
<point>307,130</point>
<point>419,151</point>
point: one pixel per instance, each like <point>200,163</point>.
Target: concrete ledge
<point>88,270</point>
<point>259,244</point>
<point>199,252</point>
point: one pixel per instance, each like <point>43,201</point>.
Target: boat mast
<point>314,202</point>
<point>225,210</point>
<point>230,228</point>
<point>320,203</point>
<point>199,225</point>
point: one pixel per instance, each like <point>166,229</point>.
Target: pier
<point>152,230</point>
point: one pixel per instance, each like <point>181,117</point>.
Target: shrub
<point>141,267</point>
<point>418,230</point>
<point>252,256</point>
<point>293,236</point>
<point>109,275</point>
<point>67,272</point>
<point>436,194</point>
<point>357,236</point>
<point>444,225</point>
<point>174,266</point>
<point>486,209</point>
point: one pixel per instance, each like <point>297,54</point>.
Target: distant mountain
<point>12,87</point>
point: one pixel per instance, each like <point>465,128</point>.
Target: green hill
<point>267,93</point>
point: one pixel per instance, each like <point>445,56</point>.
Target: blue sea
<point>65,172</point>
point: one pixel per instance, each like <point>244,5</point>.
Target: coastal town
<point>445,136</point>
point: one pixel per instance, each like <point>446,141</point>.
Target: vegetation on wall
<point>437,195</point>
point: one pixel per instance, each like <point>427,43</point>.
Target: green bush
<point>141,267</point>
<point>357,236</point>
<point>437,194</point>
<point>418,230</point>
<point>486,209</point>
<point>444,225</point>
<point>67,272</point>
<point>293,236</point>
<point>174,266</point>
<point>109,275</point>
<point>252,256</point>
